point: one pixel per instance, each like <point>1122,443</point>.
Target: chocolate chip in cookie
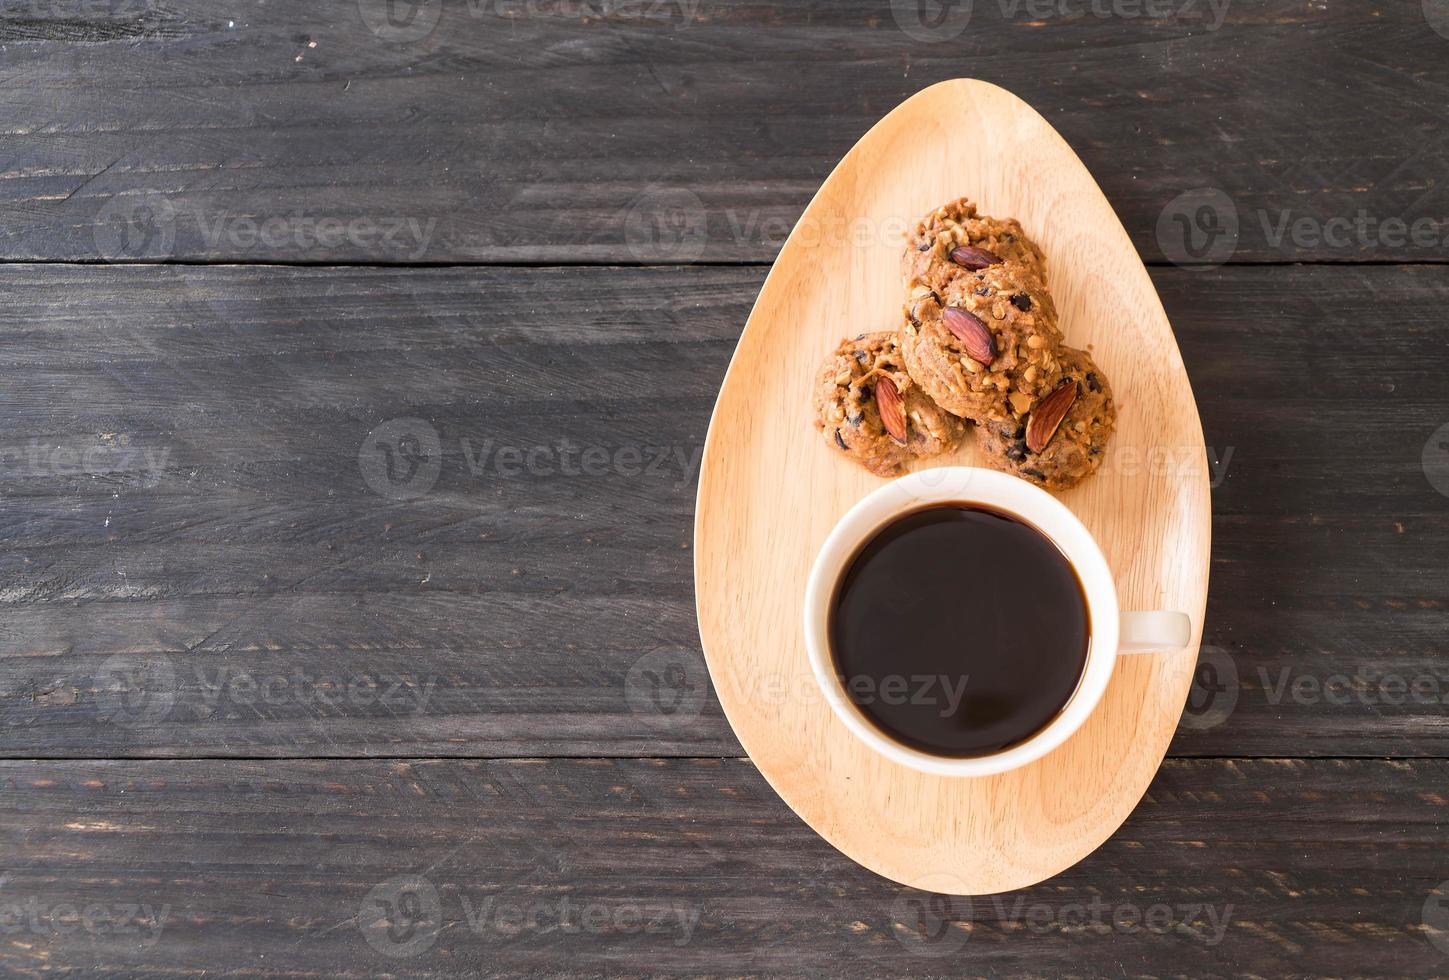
<point>1057,452</point>
<point>873,411</point>
<point>976,352</point>
<point>956,240</point>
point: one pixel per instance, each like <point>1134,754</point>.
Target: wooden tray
<point>770,490</point>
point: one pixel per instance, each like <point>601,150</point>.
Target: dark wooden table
<point>357,362</point>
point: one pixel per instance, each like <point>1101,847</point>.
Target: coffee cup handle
<point>1154,632</point>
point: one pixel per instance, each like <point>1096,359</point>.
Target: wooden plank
<point>1330,517</point>
<point>164,605</point>
<point>251,545</point>
<point>687,867</point>
<point>656,131</point>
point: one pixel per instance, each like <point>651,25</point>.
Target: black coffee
<point>959,631</point>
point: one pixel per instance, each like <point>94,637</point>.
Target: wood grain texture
<point>516,594</point>
<point>771,491</point>
<point>243,591</point>
<point>258,548</point>
<point>1327,490</point>
<point>573,867</point>
<point>672,130</point>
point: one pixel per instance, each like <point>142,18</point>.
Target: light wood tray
<point>771,489</point>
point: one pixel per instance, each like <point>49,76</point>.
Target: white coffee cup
<point>1113,631</point>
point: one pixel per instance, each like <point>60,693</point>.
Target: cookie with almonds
<point>956,239</point>
<point>1062,438</point>
<point>868,407</point>
<point>984,345</point>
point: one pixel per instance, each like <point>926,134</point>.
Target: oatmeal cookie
<point>868,407</point>
<point>976,239</point>
<point>1074,448</point>
<point>984,346</point>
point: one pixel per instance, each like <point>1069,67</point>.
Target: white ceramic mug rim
<point>999,491</point>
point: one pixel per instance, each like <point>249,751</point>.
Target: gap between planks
<point>566,264</point>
